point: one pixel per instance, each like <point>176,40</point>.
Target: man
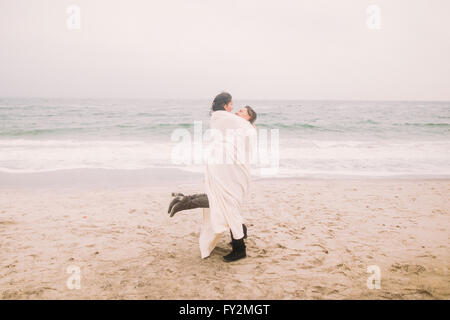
<point>226,181</point>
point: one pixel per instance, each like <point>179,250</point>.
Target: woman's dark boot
<point>245,233</point>
<point>238,252</point>
<point>182,202</point>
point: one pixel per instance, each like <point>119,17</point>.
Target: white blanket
<point>226,183</point>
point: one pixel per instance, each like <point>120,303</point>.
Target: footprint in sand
<point>262,253</point>
<point>408,268</point>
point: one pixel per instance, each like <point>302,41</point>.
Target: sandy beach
<point>324,125</point>
<point>308,239</point>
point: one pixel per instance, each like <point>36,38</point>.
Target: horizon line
<point>245,98</point>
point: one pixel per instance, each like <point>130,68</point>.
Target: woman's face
<point>228,107</point>
<point>243,113</point>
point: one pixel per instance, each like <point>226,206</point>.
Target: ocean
<point>316,138</point>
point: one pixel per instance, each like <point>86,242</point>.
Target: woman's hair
<point>251,113</point>
<point>220,101</point>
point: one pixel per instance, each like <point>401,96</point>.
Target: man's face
<point>229,106</point>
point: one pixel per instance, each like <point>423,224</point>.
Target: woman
<point>226,182</point>
<point>248,114</point>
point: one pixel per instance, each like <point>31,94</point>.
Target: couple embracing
<point>227,181</point>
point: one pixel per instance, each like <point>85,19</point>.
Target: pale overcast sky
<point>284,49</point>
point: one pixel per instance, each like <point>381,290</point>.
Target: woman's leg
<point>182,202</point>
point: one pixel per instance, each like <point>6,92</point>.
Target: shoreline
<point>93,178</point>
